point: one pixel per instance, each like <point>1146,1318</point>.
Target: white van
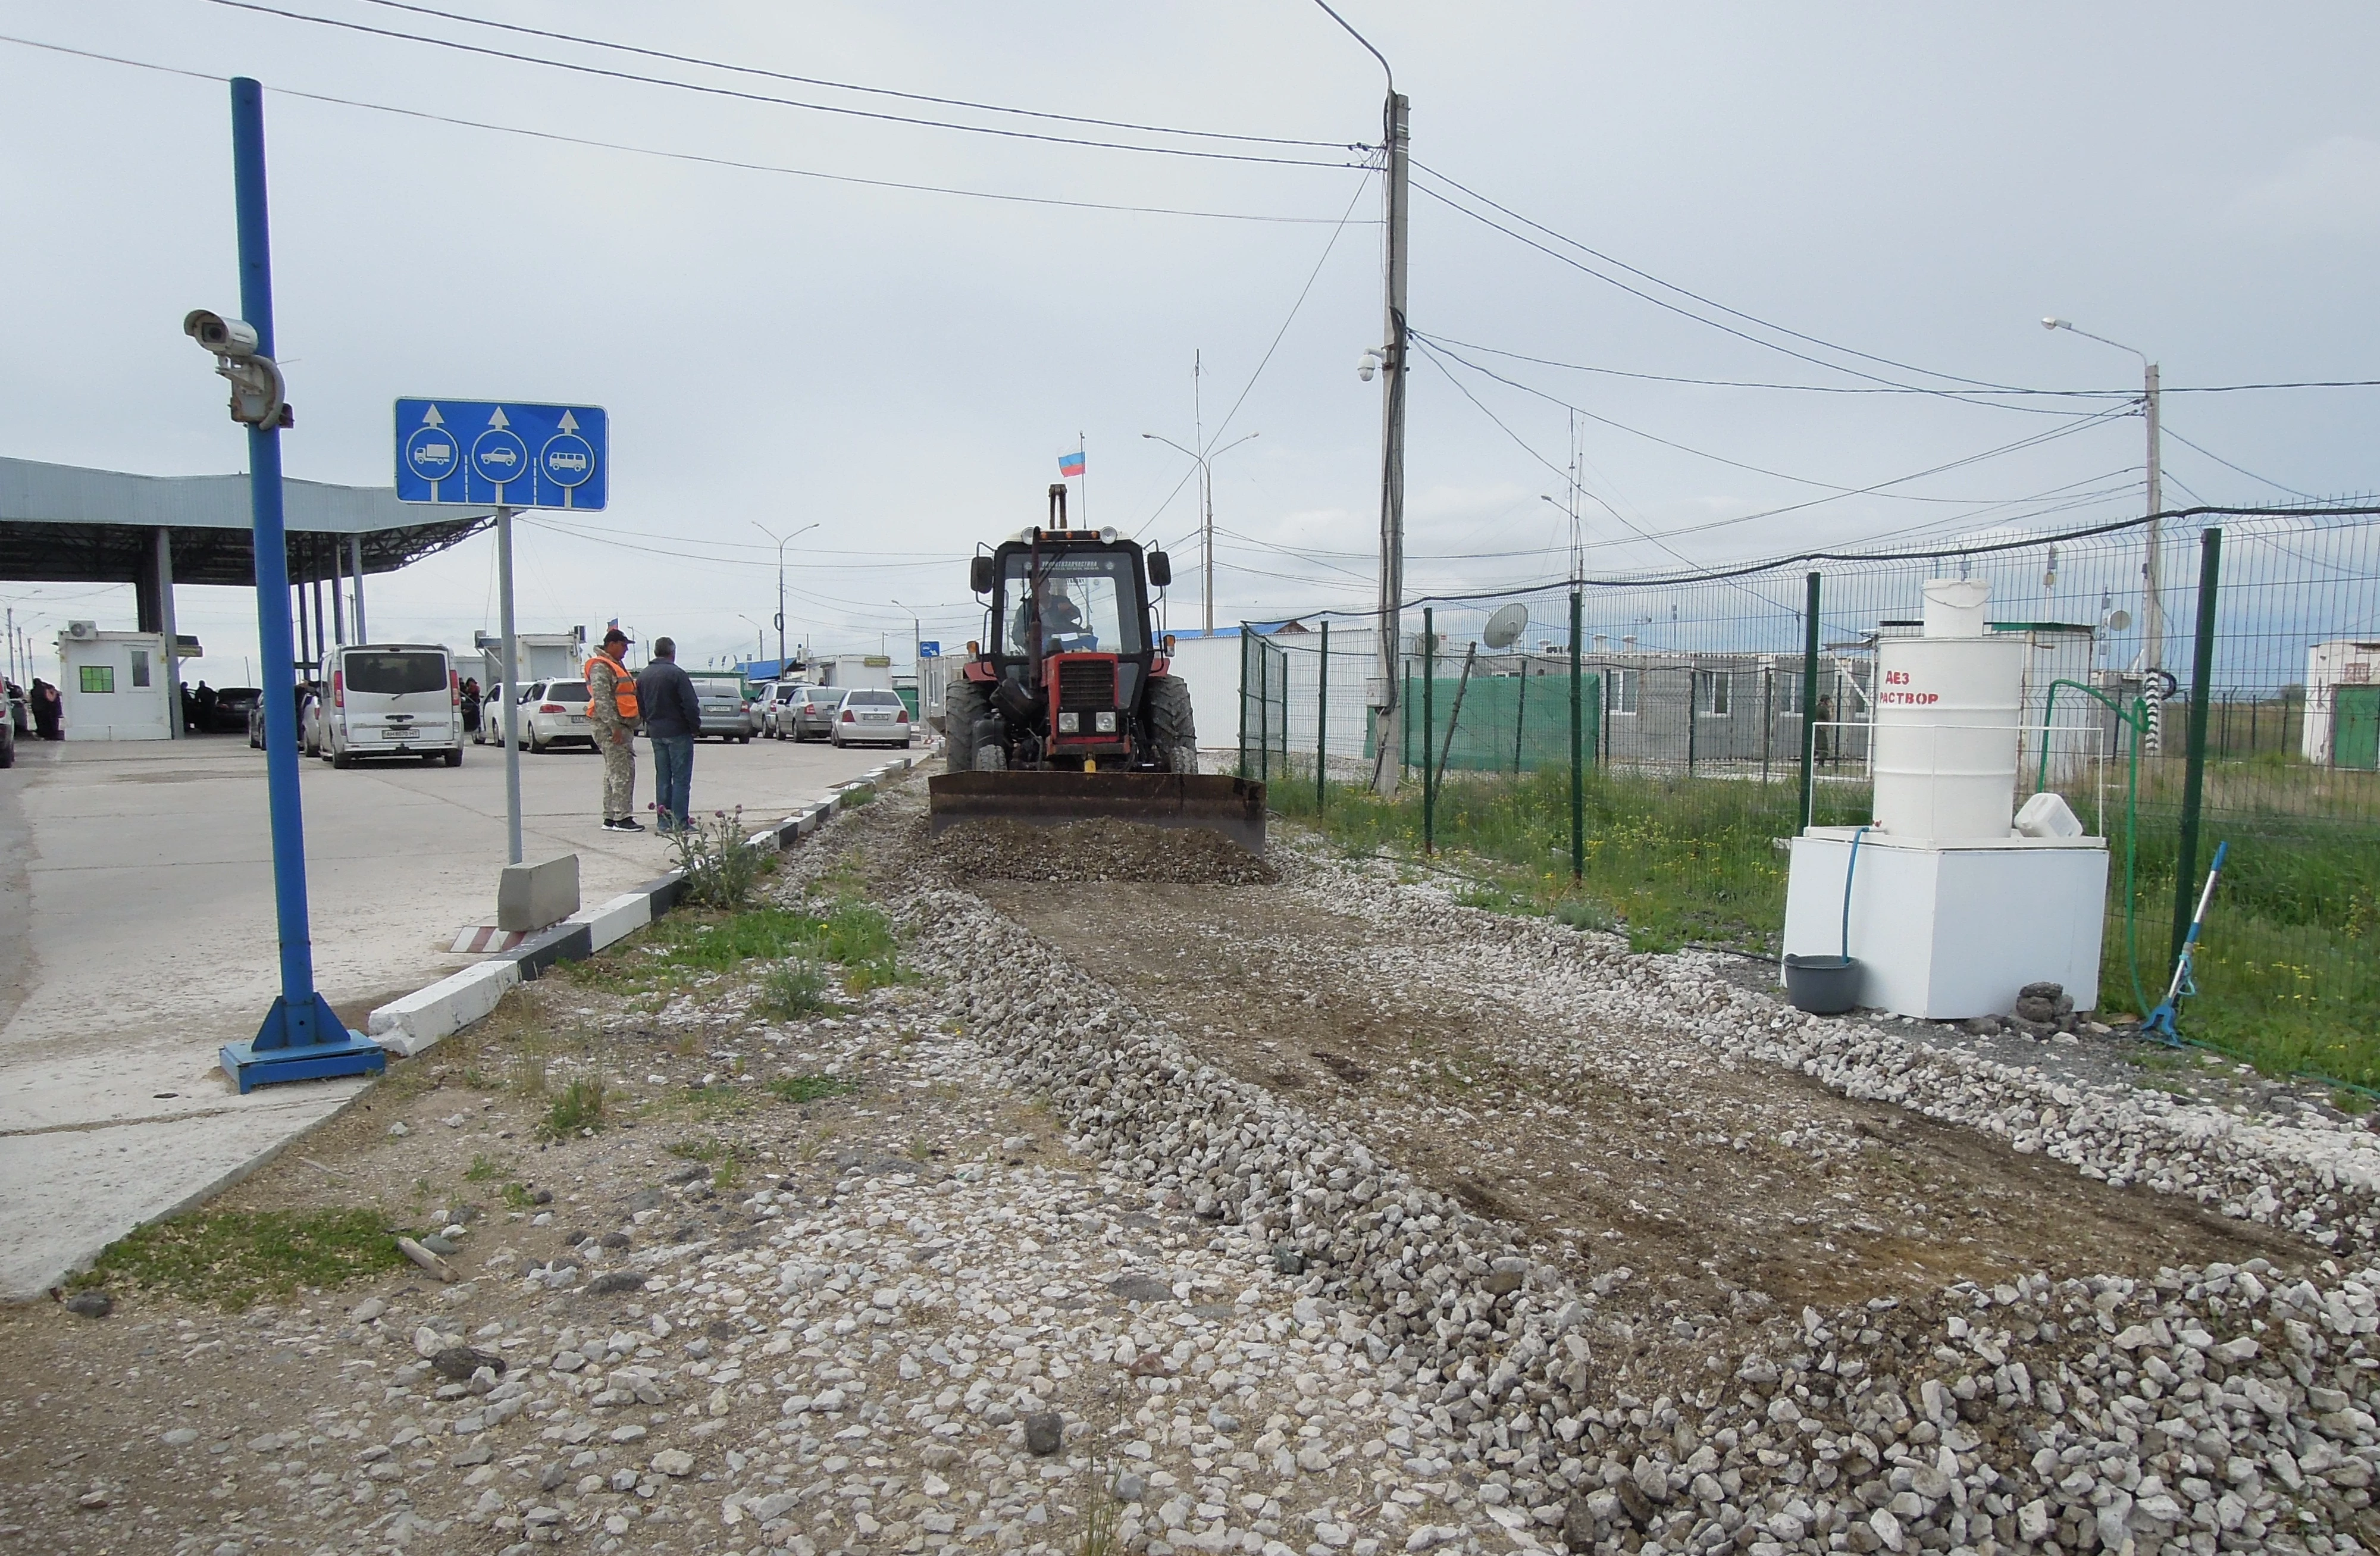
<point>392,699</point>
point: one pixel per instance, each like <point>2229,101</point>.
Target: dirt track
<point>1725,1188</point>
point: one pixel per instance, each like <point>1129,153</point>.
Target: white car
<point>553,714</point>
<point>868,717</point>
<point>491,728</point>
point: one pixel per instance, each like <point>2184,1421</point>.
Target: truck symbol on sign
<point>433,453</point>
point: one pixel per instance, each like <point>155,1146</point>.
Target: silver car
<point>812,711</point>
<point>869,717</point>
<point>775,708</point>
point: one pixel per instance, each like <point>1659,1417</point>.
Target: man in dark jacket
<point>673,718</point>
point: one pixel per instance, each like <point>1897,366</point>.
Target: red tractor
<point>1067,710</point>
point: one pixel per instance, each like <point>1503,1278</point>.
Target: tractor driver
<point>1052,613</point>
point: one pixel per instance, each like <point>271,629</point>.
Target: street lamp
<point>2152,570</point>
<point>916,632</point>
<point>781,585</point>
<point>1207,507</point>
<point>760,637</point>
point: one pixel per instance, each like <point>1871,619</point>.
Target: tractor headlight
<point>1069,724</point>
<point>1103,723</point>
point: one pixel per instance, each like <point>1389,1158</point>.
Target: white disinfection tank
<point>1947,706</point>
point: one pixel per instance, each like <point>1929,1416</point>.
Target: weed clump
<point>811,1088</point>
<point>796,988</point>
<point>721,864</point>
<point>579,1108</point>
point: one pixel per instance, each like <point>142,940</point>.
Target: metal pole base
<point>301,1042</point>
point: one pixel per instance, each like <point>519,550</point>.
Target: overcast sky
<point>903,369</point>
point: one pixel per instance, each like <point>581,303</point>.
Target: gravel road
<point>1318,1218</point>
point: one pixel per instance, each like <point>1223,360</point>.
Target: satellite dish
<point>2118,620</point>
<point>1504,628</point>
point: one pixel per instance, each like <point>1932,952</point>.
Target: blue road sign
<point>929,650</point>
<point>479,453</point>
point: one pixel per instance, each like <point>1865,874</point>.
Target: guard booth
<point>115,686</point>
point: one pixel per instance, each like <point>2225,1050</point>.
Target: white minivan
<point>392,699</point>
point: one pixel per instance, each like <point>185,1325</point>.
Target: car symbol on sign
<point>498,456</point>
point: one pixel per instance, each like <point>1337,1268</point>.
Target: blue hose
<point>1849,871</point>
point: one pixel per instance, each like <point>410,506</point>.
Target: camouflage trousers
<point>619,778</point>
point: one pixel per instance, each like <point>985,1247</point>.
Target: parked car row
<point>857,716</point>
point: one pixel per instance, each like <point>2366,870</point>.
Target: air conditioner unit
<point>82,631</point>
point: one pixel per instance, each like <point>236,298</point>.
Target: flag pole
<point>1083,446</point>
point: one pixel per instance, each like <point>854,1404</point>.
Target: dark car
<point>233,705</point>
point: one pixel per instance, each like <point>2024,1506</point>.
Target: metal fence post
<point>1577,749</point>
<point>1693,716</point>
<point>1322,720</point>
<point>1263,712</point>
<point>2202,670</point>
<point>1809,697</point>
<point>1521,715</point>
<point>1244,700</point>
<point>1428,729</point>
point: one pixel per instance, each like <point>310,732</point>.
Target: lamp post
<point>780,584</point>
<point>760,637</point>
<point>1206,507</point>
<point>2152,568</point>
<point>916,632</point>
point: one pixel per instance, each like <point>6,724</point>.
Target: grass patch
<point>581,1106</point>
<point>811,1089</point>
<point>854,935</point>
<point>480,1170</point>
<point>231,1258</point>
<point>724,1158</point>
<point>721,866</point>
<point>517,1197</point>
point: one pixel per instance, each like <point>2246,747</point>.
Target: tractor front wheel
<point>1170,721</point>
<point>965,706</point>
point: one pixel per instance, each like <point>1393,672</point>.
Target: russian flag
<point>1070,465</point>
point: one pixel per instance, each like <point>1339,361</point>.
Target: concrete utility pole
<point>1207,504</point>
<point>2153,564</point>
<point>1389,360</point>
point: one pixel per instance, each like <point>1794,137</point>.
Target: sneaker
<point>625,823</point>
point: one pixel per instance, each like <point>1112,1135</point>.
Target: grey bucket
<point>1822,985</point>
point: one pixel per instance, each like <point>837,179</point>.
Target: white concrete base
<point>532,895</point>
<point>412,1024</point>
<point>1955,930</point>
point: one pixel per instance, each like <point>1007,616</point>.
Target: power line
<point>1709,302</point>
<point>697,158</point>
<point>2227,464</point>
<point>848,86</point>
<point>2081,421</point>
<point>735,94</point>
<point>2132,393</point>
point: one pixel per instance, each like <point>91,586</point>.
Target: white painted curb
<point>411,1024</point>
<point>616,919</point>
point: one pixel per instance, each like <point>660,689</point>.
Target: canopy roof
<point>65,524</point>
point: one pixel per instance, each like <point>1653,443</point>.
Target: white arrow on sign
<point>432,419</point>
<point>498,420</point>
<point>568,423</point>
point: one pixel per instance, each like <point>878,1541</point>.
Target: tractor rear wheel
<point>965,706</point>
<point>1170,721</point>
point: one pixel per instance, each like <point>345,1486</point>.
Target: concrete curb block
<point>616,919</point>
<point>410,1026</point>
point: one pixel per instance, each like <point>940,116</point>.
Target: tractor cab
<point>1070,649</point>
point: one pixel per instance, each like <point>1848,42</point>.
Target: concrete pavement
<point>137,937</point>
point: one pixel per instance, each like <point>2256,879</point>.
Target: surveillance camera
<point>1367,365</point>
<point>225,337</point>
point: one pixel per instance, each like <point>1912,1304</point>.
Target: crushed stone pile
<point>1100,850</point>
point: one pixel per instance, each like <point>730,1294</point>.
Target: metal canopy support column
<point>302,1038</point>
<point>338,594</point>
<point>512,693</point>
<point>355,567</point>
<point>162,568</point>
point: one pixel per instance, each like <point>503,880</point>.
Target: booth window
<point>98,678</point>
<point>140,667</point>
